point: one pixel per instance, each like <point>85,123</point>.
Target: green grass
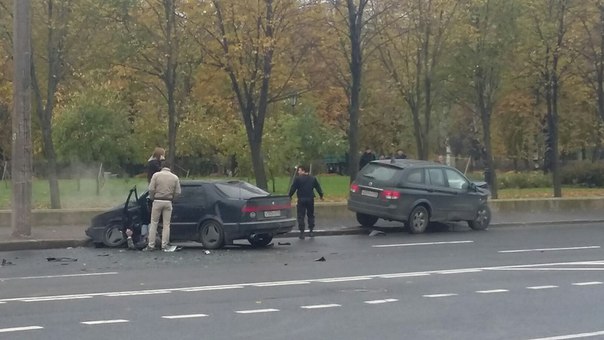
<point>114,191</point>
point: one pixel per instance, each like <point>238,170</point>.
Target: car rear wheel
<point>418,220</point>
<point>211,235</point>
<point>366,221</point>
<point>113,236</point>
<point>260,240</point>
<point>482,219</point>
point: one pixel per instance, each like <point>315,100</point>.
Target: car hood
<point>104,218</point>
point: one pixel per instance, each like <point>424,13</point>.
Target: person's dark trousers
<point>306,207</point>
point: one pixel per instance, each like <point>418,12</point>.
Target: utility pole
<point>21,156</point>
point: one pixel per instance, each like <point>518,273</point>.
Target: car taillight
<point>391,194</point>
<point>354,187</point>
<point>247,209</point>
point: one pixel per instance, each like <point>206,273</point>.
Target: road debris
<point>6,262</point>
<point>320,259</point>
<point>284,243</point>
<point>60,259</point>
<point>377,233</point>
<point>207,252</point>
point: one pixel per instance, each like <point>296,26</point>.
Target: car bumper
<point>390,212</point>
<point>245,229</point>
<point>95,233</point>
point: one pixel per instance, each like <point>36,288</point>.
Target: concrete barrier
<point>52,217</point>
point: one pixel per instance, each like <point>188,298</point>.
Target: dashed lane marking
<point>253,311</point>
<point>332,305</point>
<point>547,249</point>
<point>20,329</point>
<point>102,322</point>
<point>185,316</point>
<point>377,302</point>
<point>419,244</point>
<point>492,291</point>
<point>542,287</point>
<point>572,336</point>
<point>438,295</point>
<point>591,283</point>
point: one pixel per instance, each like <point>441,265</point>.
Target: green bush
<point>584,174</point>
<point>521,180</point>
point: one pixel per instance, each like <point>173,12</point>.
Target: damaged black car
<point>214,213</point>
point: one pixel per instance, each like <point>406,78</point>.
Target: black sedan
<point>214,213</point>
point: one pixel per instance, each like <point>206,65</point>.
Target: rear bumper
<point>390,212</point>
<point>245,229</point>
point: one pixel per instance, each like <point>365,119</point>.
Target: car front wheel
<point>260,240</point>
<point>482,219</point>
<point>211,235</point>
<point>418,220</point>
<point>113,236</point>
<point>366,221</point>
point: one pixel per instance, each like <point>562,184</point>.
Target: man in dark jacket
<point>305,185</point>
<point>366,157</point>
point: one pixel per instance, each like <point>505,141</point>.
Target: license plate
<point>272,213</point>
<point>369,193</point>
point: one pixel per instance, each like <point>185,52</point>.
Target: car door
<point>439,194</point>
<point>187,210</point>
<point>465,202</point>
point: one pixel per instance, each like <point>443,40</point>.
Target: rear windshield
<point>379,172</point>
<point>240,190</point>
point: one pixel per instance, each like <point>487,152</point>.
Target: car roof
<point>406,163</point>
<point>196,182</point>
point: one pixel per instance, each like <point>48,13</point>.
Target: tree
<point>21,167</point>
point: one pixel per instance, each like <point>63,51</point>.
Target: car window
<point>455,179</point>
<point>379,172</point>
<point>191,194</point>
<point>240,190</point>
<point>437,177</point>
<point>415,176</point>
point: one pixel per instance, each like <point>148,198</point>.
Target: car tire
<point>366,221</point>
<point>113,236</point>
<point>482,219</point>
<point>418,220</point>
<point>211,235</point>
<point>260,240</point>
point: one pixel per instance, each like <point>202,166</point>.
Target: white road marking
<point>332,305</point>
<point>185,316</point>
<point>553,269</point>
<point>252,311</point>
<point>542,287</point>
<point>538,266</point>
<point>438,295</point>
<point>587,283</point>
<point>572,336</point>
<point>492,291</point>
<point>101,322</point>
<point>19,329</point>
<point>418,244</point>
<point>55,276</point>
<point>375,302</point>
<point>547,249</point>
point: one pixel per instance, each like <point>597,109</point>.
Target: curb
<point>13,245</point>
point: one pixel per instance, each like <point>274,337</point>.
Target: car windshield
<point>379,172</point>
<point>240,190</point>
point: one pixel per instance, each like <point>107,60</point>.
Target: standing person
<point>366,157</point>
<point>305,185</point>
<point>154,162</point>
<point>163,188</point>
<point>400,154</point>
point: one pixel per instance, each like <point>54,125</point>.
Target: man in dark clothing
<point>366,157</point>
<point>154,164</point>
<point>305,185</point>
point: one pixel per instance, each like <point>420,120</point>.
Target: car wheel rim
<point>482,217</point>
<point>211,234</point>
<point>419,219</point>
<point>114,236</point>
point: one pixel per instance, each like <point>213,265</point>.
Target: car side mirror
<point>469,186</point>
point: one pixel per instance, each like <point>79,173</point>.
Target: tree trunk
<point>21,167</point>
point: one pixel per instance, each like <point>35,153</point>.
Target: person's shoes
<point>131,243</point>
<point>147,248</point>
<point>169,249</point>
<point>311,234</point>
<point>301,236</point>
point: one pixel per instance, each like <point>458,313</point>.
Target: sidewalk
<point>45,237</point>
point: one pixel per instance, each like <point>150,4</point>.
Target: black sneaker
<point>301,236</point>
<point>311,234</point>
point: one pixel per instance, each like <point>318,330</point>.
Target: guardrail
<point>56,217</point>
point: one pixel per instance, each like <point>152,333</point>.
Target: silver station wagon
<point>416,193</point>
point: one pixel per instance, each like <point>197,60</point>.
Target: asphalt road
<point>541,282</point>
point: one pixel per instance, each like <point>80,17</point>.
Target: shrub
<point>584,174</point>
<point>523,180</point>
